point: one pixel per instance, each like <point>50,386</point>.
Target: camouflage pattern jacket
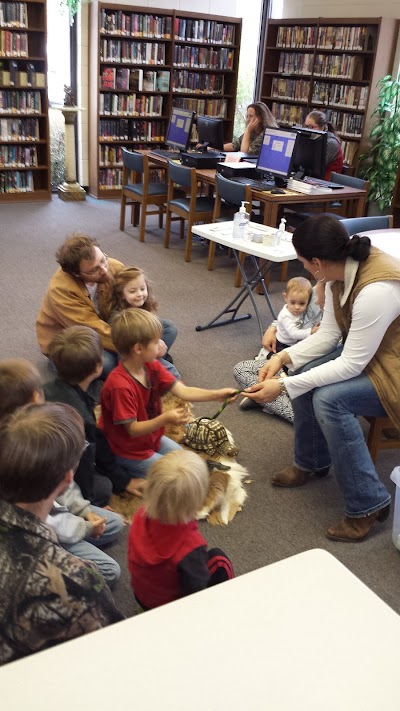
<point>47,595</point>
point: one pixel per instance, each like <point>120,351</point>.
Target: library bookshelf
<point>143,62</point>
<point>24,123</point>
<point>328,64</point>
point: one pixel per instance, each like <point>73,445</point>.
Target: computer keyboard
<point>256,184</point>
<point>165,153</point>
<point>319,183</point>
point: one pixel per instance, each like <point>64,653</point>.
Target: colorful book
<point>108,78</point>
<point>136,80</point>
<point>122,78</point>
<point>149,81</point>
<point>162,81</point>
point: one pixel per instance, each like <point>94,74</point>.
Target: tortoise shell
<point>209,436</point>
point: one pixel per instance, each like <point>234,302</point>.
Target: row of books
<point>28,102</point>
<point>130,52</point>
<point>135,24</point>
<point>19,129</point>
<point>295,63</point>
<point>350,38</point>
<point>288,115</point>
<point>291,89</point>
<point>13,44</point>
<point>203,57</point>
<point>13,14</point>
<point>188,29</point>
<point>18,156</point>
<point>127,79</point>
<point>349,150</point>
<point>12,73</point>
<point>342,66</point>
<point>346,124</point>
<point>348,95</point>
<point>193,82</point>
<point>110,155</point>
<point>110,179</point>
<point>131,130</point>
<point>130,105</point>
<point>16,182</point>
<point>204,107</point>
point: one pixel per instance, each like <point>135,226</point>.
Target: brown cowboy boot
<point>293,476</point>
<point>356,529</point>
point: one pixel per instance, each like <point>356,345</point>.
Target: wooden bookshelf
<point>328,64</point>
<point>24,124</point>
<point>144,61</point>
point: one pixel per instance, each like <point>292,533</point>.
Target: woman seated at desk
<point>334,156</point>
<point>258,118</point>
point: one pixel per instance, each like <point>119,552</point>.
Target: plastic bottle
<point>240,222</point>
<point>279,233</point>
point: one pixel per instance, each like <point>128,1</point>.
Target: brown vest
<point>384,368</point>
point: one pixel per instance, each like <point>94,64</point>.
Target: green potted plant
<point>381,163</point>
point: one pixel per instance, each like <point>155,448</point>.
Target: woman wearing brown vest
<point>333,384</point>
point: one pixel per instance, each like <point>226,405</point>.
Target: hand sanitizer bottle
<point>279,233</point>
<point>240,222</point>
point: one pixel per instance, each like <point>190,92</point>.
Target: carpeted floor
<point>274,523</point>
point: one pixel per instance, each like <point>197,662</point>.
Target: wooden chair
<point>139,192</point>
<point>356,225</point>
<point>191,208</point>
<point>228,198</point>
<point>376,440</point>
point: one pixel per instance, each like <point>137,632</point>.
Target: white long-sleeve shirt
<point>375,308</point>
<point>290,328</point>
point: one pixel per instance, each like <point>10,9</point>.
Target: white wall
<point>340,8</point>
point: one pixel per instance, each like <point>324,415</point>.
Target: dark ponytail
<point>325,237</point>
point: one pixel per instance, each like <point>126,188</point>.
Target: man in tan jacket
<point>78,294</point>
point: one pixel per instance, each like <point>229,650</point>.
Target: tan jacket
<point>67,303</point>
<point>383,368</point>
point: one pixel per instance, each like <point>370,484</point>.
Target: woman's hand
<point>253,124</point>
<point>269,339</point>
<point>266,391</point>
<point>269,369</point>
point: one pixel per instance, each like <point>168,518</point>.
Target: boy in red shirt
<point>167,555</point>
<point>131,418</point>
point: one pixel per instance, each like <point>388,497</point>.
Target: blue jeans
<point>169,334</point>
<point>327,431</point>
<point>90,548</point>
<point>139,467</point>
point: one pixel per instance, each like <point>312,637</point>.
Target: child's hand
<point>162,348</point>
<point>99,526</point>
<point>315,328</point>
<point>226,393</point>
<point>178,415</point>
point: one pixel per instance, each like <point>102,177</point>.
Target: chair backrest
<point>357,225</point>
<point>180,174</point>
<point>231,192</point>
<point>132,161</point>
<point>350,181</point>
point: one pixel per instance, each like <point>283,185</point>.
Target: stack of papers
<point>299,186</point>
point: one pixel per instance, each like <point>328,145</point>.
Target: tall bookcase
<point>143,62</point>
<point>24,124</point>
<point>328,64</point>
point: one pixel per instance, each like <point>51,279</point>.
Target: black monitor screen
<point>180,128</point>
<point>277,151</point>
<point>211,132</point>
<point>310,153</point>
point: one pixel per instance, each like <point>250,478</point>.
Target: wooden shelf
<point>37,175</point>
<point>104,15</point>
<point>365,48</point>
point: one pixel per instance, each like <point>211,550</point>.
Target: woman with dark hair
<point>333,385</point>
<point>258,118</point>
<point>334,155</point>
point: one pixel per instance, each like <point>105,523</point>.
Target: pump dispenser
<point>279,233</point>
<point>240,222</point>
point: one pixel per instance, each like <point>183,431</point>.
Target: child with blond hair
<point>168,557</point>
<point>131,413</point>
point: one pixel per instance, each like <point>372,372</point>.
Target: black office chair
<point>139,192</point>
<point>358,225</point>
<point>192,208</point>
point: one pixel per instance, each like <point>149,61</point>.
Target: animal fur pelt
<point>226,493</point>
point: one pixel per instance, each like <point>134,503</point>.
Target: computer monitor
<point>179,128</point>
<point>276,153</point>
<point>210,132</point>
<point>310,152</point>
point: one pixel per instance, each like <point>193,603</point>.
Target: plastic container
<point>395,476</point>
<point>240,222</point>
<point>279,234</point>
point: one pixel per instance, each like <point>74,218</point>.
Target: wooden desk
<point>221,233</point>
<point>303,634</point>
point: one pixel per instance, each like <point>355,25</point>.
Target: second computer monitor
<point>180,128</point>
<point>211,132</point>
<point>310,153</point>
<point>277,153</point>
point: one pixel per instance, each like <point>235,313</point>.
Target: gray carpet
<point>275,523</point>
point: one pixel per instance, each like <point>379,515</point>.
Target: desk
<point>303,634</point>
<point>221,233</point>
<point>386,240</point>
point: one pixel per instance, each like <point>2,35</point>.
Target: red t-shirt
<point>124,399</point>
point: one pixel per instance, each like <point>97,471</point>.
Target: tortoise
<point>206,434</point>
